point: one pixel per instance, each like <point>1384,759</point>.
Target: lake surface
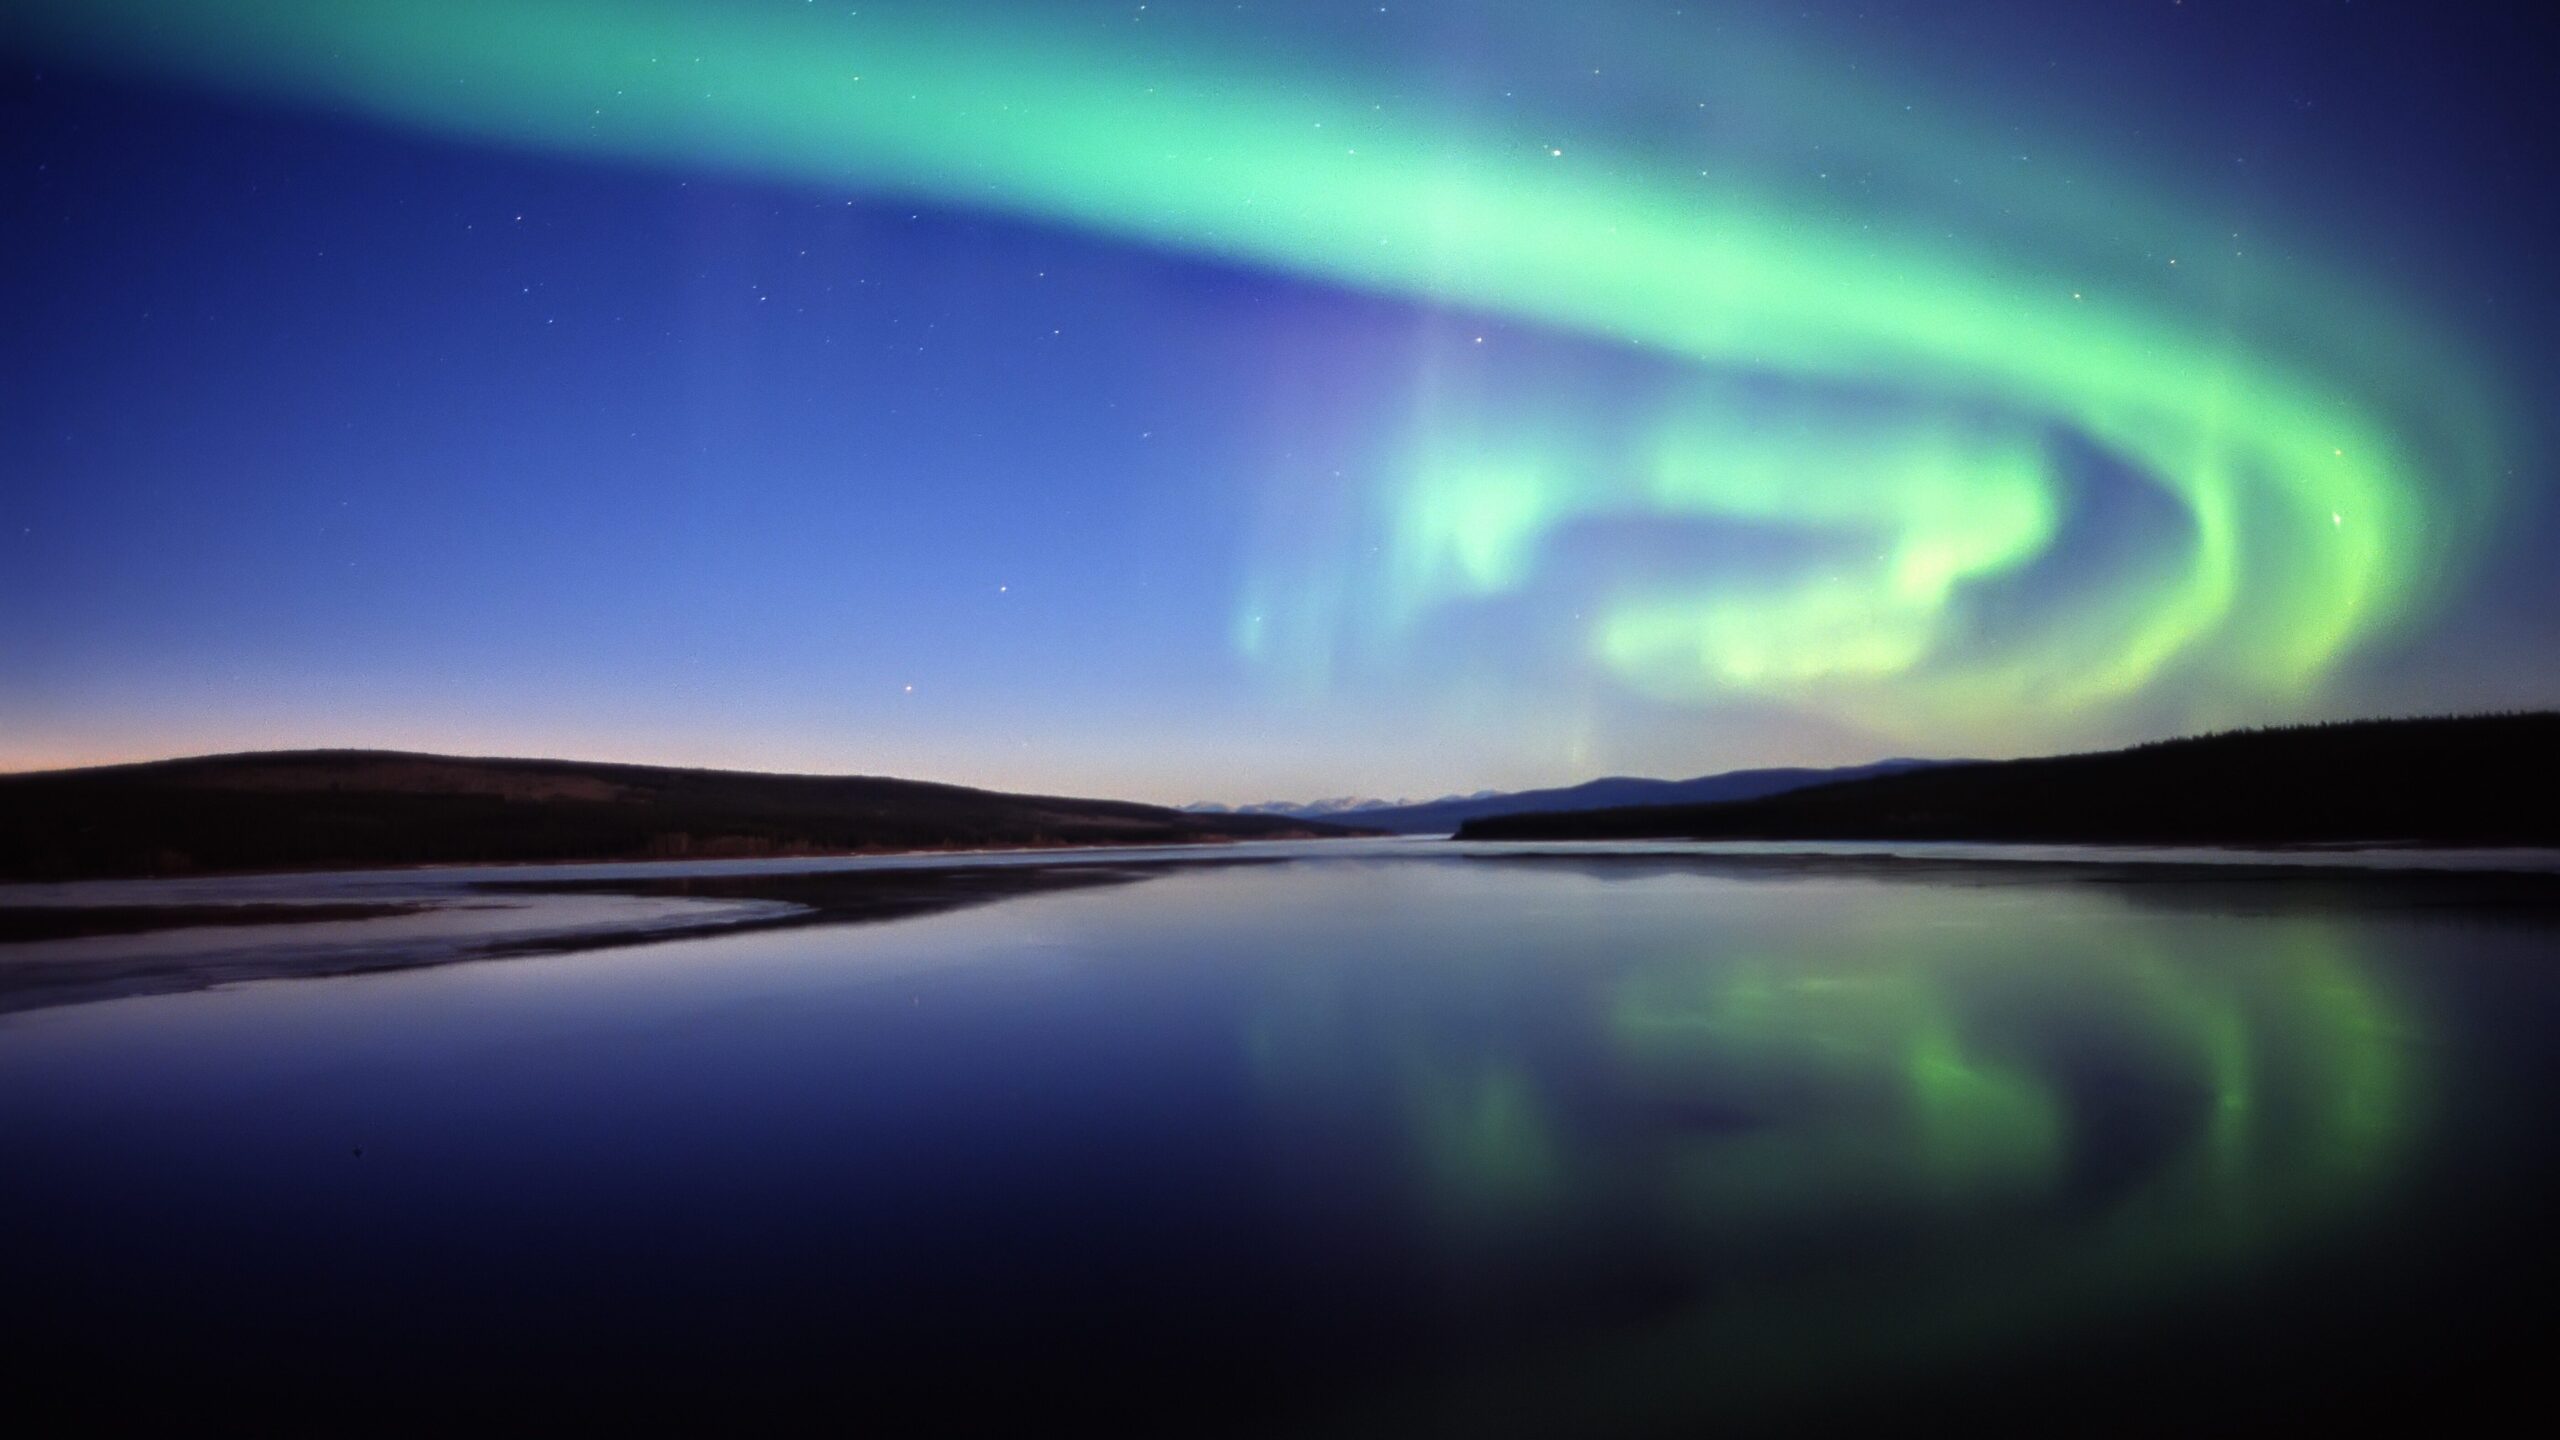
<point>1384,1140</point>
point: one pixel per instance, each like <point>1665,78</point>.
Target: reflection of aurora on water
<point>2026,1138</point>
<point>1888,397</point>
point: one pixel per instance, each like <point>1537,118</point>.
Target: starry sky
<point>1228,401</point>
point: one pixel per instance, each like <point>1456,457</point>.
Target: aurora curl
<point>1902,416</point>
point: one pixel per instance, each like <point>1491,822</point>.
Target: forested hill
<point>2467,780</point>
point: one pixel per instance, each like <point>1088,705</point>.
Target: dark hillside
<point>2469,780</point>
<point>339,808</point>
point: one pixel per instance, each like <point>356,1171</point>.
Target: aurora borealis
<point>1743,390</point>
<point>719,502</point>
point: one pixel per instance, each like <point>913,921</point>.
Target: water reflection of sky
<point>1919,1132</point>
<point>1532,1146</point>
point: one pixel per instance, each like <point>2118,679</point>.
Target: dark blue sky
<point>325,423</point>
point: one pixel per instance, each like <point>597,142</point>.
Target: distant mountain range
<point>325,809</point>
<point>1445,815</point>
<point>2458,780</point>
<point>1300,809</point>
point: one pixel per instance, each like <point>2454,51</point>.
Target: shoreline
<point>751,903</point>
<point>867,852</point>
<point>54,955</point>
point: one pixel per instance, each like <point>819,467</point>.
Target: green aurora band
<point>2325,457</point>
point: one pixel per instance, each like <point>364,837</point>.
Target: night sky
<point>1229,401</point>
